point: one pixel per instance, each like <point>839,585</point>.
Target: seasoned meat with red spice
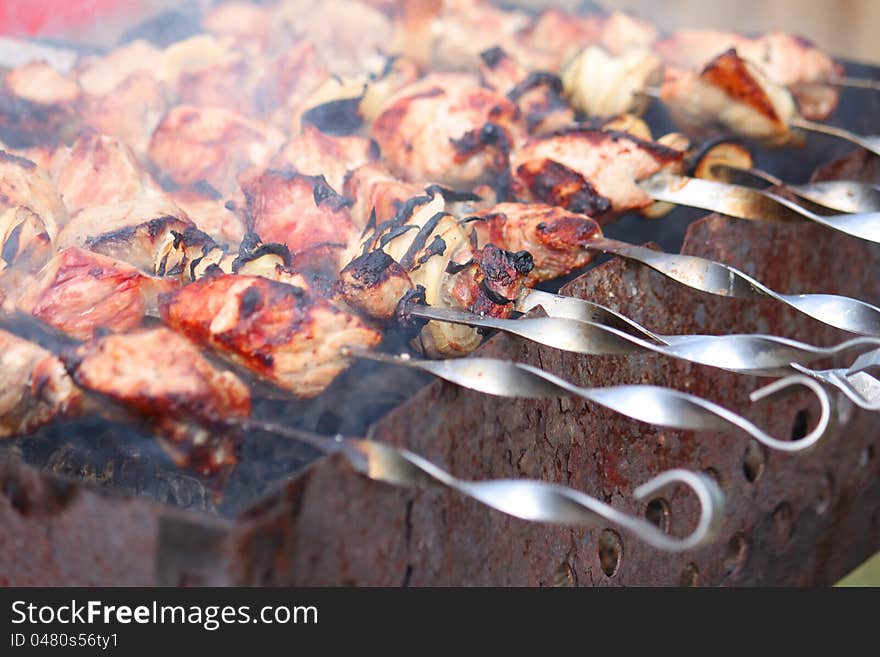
<point>730,95</point>
<point>210,144</point>
<point>99,170</point>
<point>447,129</point>
<point>276,331</point>
<point>164,377</point>
<point>302,212</point>
<point>83,293</point>
<point>36,387</point>
<point>24,184</point>
<point>553,236</point>
<point>592,172</point>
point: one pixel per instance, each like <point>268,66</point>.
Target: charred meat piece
<point>448,129</point>
<point>784,59</point>
<point>592,172</point>
<point>553,236</point>
<point>194,144</point>
<point>314,153</point>
<point>492,281</point>
<point>537,94</point>
<point>374,284</point>
<point>129,112</point>
<point>376,194</point>
<point>24,240</point>
<point>23,183</point>
<point>99,170</point>
<point>219,218</point>
<point>302,212</point>
<point>141,233</point>
<point>36,387</point>
<point>276,331</point>
<point>37,106</point>
<point>164,377</point>
<point>82,293</point>
<point>730,95</point>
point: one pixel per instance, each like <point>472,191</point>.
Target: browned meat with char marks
<point>276,331</point>
<point>24,240</point>
<point>377,193</point>
<point>99,170</point>
<point>491,282</point>
<point>211,213</point>
<point>314,153</point>
<point>731,95</point>
<point>374,283</point>
<point>36,387</point>
<point>553,236</point>
<point>592,172</point>
<point>23,183</point>
<point>193,144</point>
<point>82,293</point>
<point>302,212</point>
<point>165,378</point>
<point>446,128</point>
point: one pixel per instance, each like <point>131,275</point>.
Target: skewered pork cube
<point>23,183</point>
<point>142,233</point>
<point>194,144</point>
<point>36,106</point>
<point>314,153</point>
<point>733,95</point>
<point>83,293</point>
<point>375,284</point>
<point>24,240</point>
<point>784,59</point>
<point>219,218</point>
<point>129,112</point>
<point>377,195</point>
<point>538,94</point>
<point>276,331</point>
<point>99,170</point>
<point>491,282</point>
<point>36,387</point>
<point>554,237</point>
<point>448,129</point>
<point>602,85</point>
<point>592,172</point>
<point>302,212</point>
<point>165,378</point>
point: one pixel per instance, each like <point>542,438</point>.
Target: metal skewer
<point>840,195</point>
<point>860,387</point>
<point>853,83</point>
<point>745,354</point>
<point>747,203</point>
<point>723,280</point>
<point>652,404</point>
<point>527,499</point>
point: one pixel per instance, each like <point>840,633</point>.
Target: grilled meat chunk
<point>276,331</point>
<point>194,144</point>
<point>314,153</point>
<point>24,184</point>
<point>220,219</point>
<point>554,237</point>
<point>36,387</point>
<point>99,170</point>
<point>783,58</point>
<point>83,293</point>
<point>447,129</point>
<point>374,283</point>
<point>144,233</point>
<point>302,212</point>
<point>732,95</point>
<point>592,172</point>
<point>98,76</point>
<point>491,282</point>
<point>377,195</point>
<point>37,106</point>
<point>164,377</point>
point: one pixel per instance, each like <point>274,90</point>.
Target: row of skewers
<point>174,226</point>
